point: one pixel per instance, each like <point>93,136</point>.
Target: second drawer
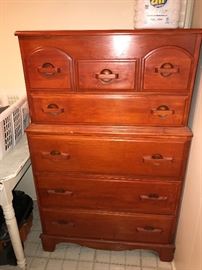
<point>155,197</point>
<point>110,109</point>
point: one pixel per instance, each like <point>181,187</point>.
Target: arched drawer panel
<point>49,68</point>
<point>167,69</point>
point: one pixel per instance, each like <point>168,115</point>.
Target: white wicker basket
<point>13,121</point>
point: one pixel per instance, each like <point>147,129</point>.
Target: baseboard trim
<point>173,265</point>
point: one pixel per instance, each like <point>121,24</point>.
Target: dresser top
<point>108,32</point>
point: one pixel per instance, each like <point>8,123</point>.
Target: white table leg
<point>6,198</point>
<point>12,226</point>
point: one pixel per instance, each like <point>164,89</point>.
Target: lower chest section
<point>120,187</point>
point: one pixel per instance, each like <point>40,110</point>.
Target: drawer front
<point>110,155</point>
<point>167,69</point>
<point>107,226</point>
<point>49,68</point>
<point>153,197</point>
<point>109,109</point>
<point>100,75</point>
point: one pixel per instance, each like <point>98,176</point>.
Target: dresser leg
<point>166,254</point>
<point>48,243</point>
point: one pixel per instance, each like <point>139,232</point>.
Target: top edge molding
<point>107,32</point>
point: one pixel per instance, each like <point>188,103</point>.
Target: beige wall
<point>188,254</point>
<point>52,14</point>
<point>197,18</point>
<point>188,243</point>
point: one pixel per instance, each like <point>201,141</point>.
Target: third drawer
<point>137,196</point>
<point>159,157</point>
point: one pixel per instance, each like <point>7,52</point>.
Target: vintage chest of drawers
<point>109,140</point>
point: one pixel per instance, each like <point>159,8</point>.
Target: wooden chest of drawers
<point>109,139</point>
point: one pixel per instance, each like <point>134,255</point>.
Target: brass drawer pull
<point>106,76</point>
<point>55,155</point>
<point>167,69</point>
<point>60,191</point>
<point>48,70</point>
<point>64,222</point>
<point>149,229</point>
<point>153,197</point>
<point>162,111</point>
<point>157,159</point>
<point>53,109</point>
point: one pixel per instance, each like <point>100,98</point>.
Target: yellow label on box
<point>158,3</point>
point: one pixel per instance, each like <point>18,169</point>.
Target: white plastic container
<point>13,121</point>
<point>157,13</point>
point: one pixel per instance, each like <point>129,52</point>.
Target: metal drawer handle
<point>53,109</point>
<point>60,191</point>
<point>55,155</point>
<point>149,229</point>
<point>153,197</point>
<point>157,159</point>
<point>167,69</point>
<point>162,111</point>
<point>64,222</point>
<point>48,70</point>
<point>106,76</point>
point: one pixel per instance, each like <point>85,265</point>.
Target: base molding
<point>165,251</point>
<point>173,265</point>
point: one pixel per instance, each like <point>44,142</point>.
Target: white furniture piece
<point>12,168</point>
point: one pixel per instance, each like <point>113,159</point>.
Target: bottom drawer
<point>108,226</point>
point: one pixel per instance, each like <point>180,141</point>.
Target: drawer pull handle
<point>53,109</point>
<point>60,191</point>
<point>157,159</point>
<point>64,222</point>
<point>167,69</point>
<point>48,70</point>
<point>153,197</point>
<point>106,76</point>
<point>149,229</point>
<point>162,111</point>
<point>55,155</point>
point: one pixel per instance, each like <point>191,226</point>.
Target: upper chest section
<point>110,61</point>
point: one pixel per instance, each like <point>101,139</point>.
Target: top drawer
<point>49,68</point>
<point>167,69</point>
<point>107,75</point>
<point>154,61</point>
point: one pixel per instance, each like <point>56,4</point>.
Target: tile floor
<point>75,257</point>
